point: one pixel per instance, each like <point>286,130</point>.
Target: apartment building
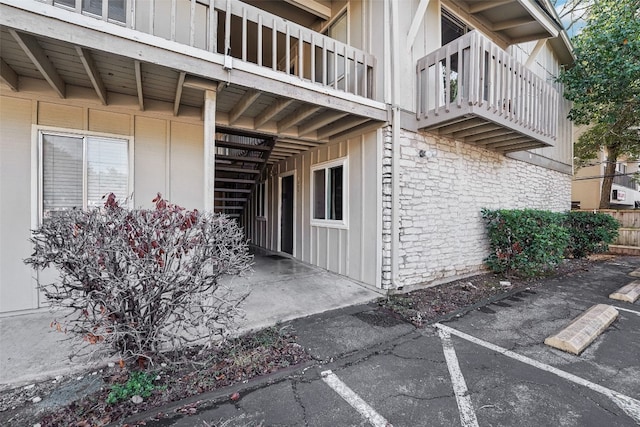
<point>360,136</point>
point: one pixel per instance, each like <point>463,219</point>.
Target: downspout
<point>394,34</point>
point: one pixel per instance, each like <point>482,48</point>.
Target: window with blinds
<point>77,171</point>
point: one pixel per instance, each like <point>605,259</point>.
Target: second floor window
<point>451,27</point>
<point>116,8</point>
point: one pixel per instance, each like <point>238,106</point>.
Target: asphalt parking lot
<point>489,367</point>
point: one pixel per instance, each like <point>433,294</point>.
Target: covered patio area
<point>281,288</point>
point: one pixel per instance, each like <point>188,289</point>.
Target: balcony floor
<point>485,133</point>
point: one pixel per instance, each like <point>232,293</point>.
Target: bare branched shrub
<point>143,282</point>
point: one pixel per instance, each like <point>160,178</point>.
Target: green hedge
<point>531,242</point>
<point>590,232</point>
<point>525,242</point>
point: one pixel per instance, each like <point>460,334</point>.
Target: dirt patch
<point>82,401</point>
<point>424,306</point>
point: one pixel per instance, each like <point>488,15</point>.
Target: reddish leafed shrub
<point>144,281</point>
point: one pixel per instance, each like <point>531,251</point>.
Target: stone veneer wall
<point>442,234</point>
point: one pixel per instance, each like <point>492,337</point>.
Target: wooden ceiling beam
<point>512,23</point>
<point>179,88</point>
<point>8,76</point>
<point>92,72</point>
<point>36,54</point>
<point>270,112</point>
<point>294,119</point>
<point>138,70</point>
<point>481,6</point>
<point>340,126</point>
<point>245,102</point>
<point>320,121</point>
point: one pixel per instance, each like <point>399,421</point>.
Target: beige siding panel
<point>109,122</point>
<point>187,168</point>
<point>17,291</point>
<point>355,196</point>
<point>352,251</point>
<point>63,116</point>
<point>371,241</point>
<point>150,160</point>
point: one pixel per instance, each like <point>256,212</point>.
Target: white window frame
<point>38,164</point>
<point>261,188</point>
<point>331,223</point>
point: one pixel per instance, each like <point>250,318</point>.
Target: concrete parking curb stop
<point>628,293</point>
<point>583,330</point>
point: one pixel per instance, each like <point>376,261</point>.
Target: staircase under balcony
<point>240,163</point>
<point>473,91</point>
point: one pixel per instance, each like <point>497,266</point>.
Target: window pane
<point>318,194</point>
<point>335,193</point>
<point>116,10</point>
<point>61,173</point>
<point>70,3</point>
<point>92,6</point>
<point>107,170</point>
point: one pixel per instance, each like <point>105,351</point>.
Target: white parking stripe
<point>354,400</point>
<point>467,415</point>
<point>626,309</point>
<point>628,404</point>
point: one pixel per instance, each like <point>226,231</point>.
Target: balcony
<point>473,91</point>
<point>274,78</point>
<point>242,32</point>
<point>625,180</point>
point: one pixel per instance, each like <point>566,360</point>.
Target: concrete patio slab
<point>281,289</point>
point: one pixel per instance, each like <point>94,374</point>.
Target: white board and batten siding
<point>167,158</point>
<point>353,250</point>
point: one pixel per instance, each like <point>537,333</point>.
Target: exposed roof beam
<point>35,53</point>
<point>8,76</point>
<point>481,6</point>
<point>313,7</point>
<point>340,126</point>
<point>320,121</point>
<point>415,23</point>
<point>93,73</point>
<point>530,38</point>
<point>541,16</point>
<point>534,52</point>
<point>179,88</point>
<point>138,67</point>
<point>245,102</point>
<point>512,23</point>
<point>296,118</point>
<point>201,84</point>
<point>270,112</point>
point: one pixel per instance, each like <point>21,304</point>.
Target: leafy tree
<point>604,84</point>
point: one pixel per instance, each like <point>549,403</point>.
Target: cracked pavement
<point>401,371</point>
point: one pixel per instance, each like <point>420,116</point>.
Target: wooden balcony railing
<point>243,32</point>
<point>473,78</point>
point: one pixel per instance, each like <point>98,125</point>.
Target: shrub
<point>590,232</point>
<point>142,281</point>
<point>139,384</point>
<point>525,242</point>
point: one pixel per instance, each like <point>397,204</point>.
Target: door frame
<point>295,204</point>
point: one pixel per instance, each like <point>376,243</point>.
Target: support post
<point>209,148</point>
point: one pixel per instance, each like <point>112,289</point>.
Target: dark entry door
<point>286,218</point>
